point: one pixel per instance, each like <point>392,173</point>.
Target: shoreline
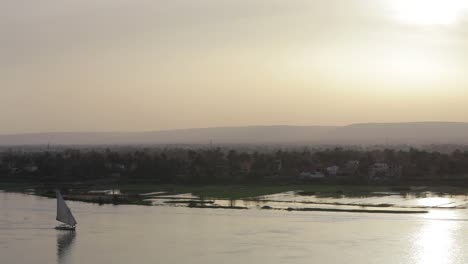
<point>306,197</point>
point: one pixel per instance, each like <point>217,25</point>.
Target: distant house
<point>315,175</point>
<point>378,170</point>
<point>332,171</point>
<point>351,167</point>
<point>120,167</point>
<point>117,167</point>
<point>382,172</point>
<point>349,171</point>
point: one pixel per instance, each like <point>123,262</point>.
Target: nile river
<point>157,234</point>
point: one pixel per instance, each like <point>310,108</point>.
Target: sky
<point>142,65</point>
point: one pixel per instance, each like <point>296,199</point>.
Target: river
<point>157,234</point>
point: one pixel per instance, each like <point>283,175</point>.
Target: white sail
<point>64,214</point>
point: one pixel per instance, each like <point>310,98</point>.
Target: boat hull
<point>65,228</point>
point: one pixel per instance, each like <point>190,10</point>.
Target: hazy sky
<point>132,65</point>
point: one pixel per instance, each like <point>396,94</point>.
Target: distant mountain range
<point>370,133</point>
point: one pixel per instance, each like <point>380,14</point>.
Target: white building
<point>307,175</point>
<point>333,170</point>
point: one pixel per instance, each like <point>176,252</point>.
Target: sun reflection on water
<point>434,201</point>
<point>436,243</point>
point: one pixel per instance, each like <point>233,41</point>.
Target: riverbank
<point>239,191</point>
<point>316,197</point>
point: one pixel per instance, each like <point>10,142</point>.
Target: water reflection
<point>437,243</point>
<point>435,201</point>
<point>64,245</point>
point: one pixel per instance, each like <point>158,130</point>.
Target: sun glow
<point>436,243</point>
<point>428,12</point>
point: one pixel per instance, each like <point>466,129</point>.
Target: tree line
<point>216,165</point>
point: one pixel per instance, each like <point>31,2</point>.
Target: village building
<point>314,175</point>
<point>332,171</point>
<point>349,171</point>
<point>382,172</point>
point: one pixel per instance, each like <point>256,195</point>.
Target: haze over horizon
<point>150,65</point>
<point>240,126</point>
<point>422,133</point>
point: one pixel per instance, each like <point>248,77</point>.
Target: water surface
<point>154,234</point>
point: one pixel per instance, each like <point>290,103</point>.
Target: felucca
<point>64,214</point>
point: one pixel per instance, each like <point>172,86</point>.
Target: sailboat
<point>64,214</point>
